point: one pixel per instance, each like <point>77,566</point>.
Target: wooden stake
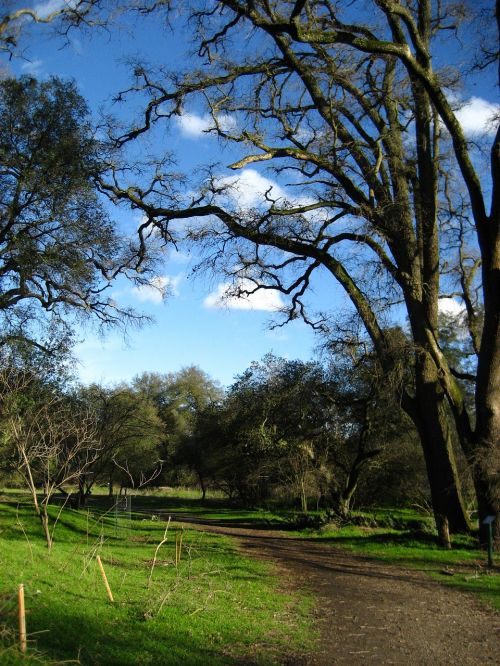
<point>106,584</point>
<point>22,618</point>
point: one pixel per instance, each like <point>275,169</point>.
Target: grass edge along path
<point>463,567</point>
<point>215,607</point>
<point>405,537</point>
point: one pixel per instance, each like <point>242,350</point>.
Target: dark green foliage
<point>180,398</point>
<point>58,248</point>
<point>130,435</point>
<point>303,432</point>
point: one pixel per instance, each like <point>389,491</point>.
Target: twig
<point>157,549</point>
<point>178,546</point>
<point>78,543</point>
<point>88,559</point>
<point>167,595</point>
<point>58,516</point>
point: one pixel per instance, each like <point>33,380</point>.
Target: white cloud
<point>43,9</point>
<point>225,297</point>
<point>158,288</point>
<point>455,316</point>
<point>178,257</point>
<point>33,67</point>
<point>194,126</point>
<point>249,188</point>
<point>450,307</point>
<point>477,114</point>
<point>76,45</point>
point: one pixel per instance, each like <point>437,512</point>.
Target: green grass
<point>411,544</point>
<point>216,607</point>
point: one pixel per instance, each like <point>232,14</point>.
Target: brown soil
<point>374,613</point>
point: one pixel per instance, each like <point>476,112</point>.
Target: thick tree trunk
<point>344,505</point>
<point>432,422</point>
<point>82,494</point>
<point>443,531</point>
<point>202,486</point>
<point>486,483</point>
<point>346,495</point>
<point>486,454</point>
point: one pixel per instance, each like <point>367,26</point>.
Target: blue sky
<point>191,326</point>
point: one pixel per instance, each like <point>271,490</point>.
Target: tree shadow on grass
<point>154,503</point>
<point>416,539</point>
<point>327,564</point>
<point>116,635</point>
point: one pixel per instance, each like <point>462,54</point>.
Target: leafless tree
<point>62,16</point>
<point>346,100</point>
<point>53,441</point>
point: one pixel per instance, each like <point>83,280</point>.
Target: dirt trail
<point>373,613</point>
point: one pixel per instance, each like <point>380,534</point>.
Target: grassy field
<point>214,607</point>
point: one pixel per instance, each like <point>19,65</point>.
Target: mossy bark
<point>432,421</point>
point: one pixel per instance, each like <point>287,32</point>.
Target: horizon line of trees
<point>323,434</point>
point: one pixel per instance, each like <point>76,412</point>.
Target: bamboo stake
<point>22,618</point>
<point>106,584</point>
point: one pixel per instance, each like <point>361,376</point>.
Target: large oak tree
<point>353,102</point>
<point>356,104</point>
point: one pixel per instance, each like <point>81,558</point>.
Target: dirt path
<point>372,613</point>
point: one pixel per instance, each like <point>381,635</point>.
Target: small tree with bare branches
<point>53,441</point>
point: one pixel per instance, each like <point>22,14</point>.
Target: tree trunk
<point>303,497</point>
<point>443,531</point>
<point>486,456</point>
<point>44,519</point>
<point>488,502</point>
<point>82,495</point>
<point>347,494</point>
<point>432,422</point>
<point>344,506</point>
<point>202,486</point>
